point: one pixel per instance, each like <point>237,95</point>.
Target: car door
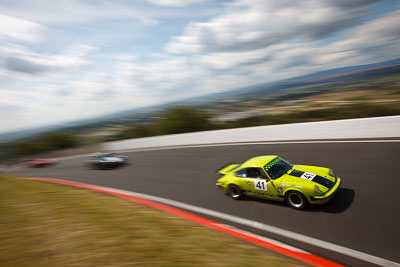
<point>261,185</point>
<point>271,186</point>
<point>256,182</point>
<point>253,181</point>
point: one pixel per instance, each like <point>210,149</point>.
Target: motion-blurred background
<point>74,74</point>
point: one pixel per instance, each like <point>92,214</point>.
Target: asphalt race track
<point>364,215</point>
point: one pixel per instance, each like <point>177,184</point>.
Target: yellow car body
<point>271,177</point>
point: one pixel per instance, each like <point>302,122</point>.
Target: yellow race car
<point>272,177</point>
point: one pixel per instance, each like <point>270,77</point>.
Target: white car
<point>106,160</point>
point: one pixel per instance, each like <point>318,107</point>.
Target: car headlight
<point>331,173</point>
<point>317,190</point>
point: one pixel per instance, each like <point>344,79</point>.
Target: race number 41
<point>260,185</point>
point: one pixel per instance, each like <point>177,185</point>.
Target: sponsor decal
<point>308,176</point>
<point>271,163</point>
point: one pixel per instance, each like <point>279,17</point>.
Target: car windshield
<point>277,167</point>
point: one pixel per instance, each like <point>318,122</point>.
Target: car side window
<point>241,173</point>
<point>263,174</point>
<point>254,173</point>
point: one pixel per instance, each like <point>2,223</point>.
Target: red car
<point>40,162</point>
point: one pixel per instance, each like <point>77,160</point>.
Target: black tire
<point>235,192</point>
<point>296,200</point>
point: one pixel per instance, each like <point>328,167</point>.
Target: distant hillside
<point>323,77</point>
<point>355,73</point>
<point>140,115</point>
<point>338,71</point>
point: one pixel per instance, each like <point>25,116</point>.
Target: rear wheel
<point>295,200</point>
<point>234,191</point>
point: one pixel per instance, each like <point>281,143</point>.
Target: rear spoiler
<point>227,168</point>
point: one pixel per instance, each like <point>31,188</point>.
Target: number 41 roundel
<point>260,185</point>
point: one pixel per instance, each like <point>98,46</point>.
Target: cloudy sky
<point>71,59</point>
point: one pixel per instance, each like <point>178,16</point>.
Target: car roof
<point>102,154</point>
<point>259,161</point>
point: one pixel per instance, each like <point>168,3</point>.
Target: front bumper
<point>322,199</point>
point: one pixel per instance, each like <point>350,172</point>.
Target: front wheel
<point>234,191</point>
<point>295,200</point>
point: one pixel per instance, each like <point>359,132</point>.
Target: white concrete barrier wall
<point>381,127</point>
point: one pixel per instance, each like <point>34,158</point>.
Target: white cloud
<point>251,42</point>
<point>19,29</point>
<point>174,3</point>
<point>23,60</point>
<point>254,24</point>
<point>132,83</point>
<point>377,40</point>
<point>80,12</point>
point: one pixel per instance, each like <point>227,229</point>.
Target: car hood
<point>320,171</point>
<point>317,175</point>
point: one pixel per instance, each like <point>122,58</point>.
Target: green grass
<point>45,224</point>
